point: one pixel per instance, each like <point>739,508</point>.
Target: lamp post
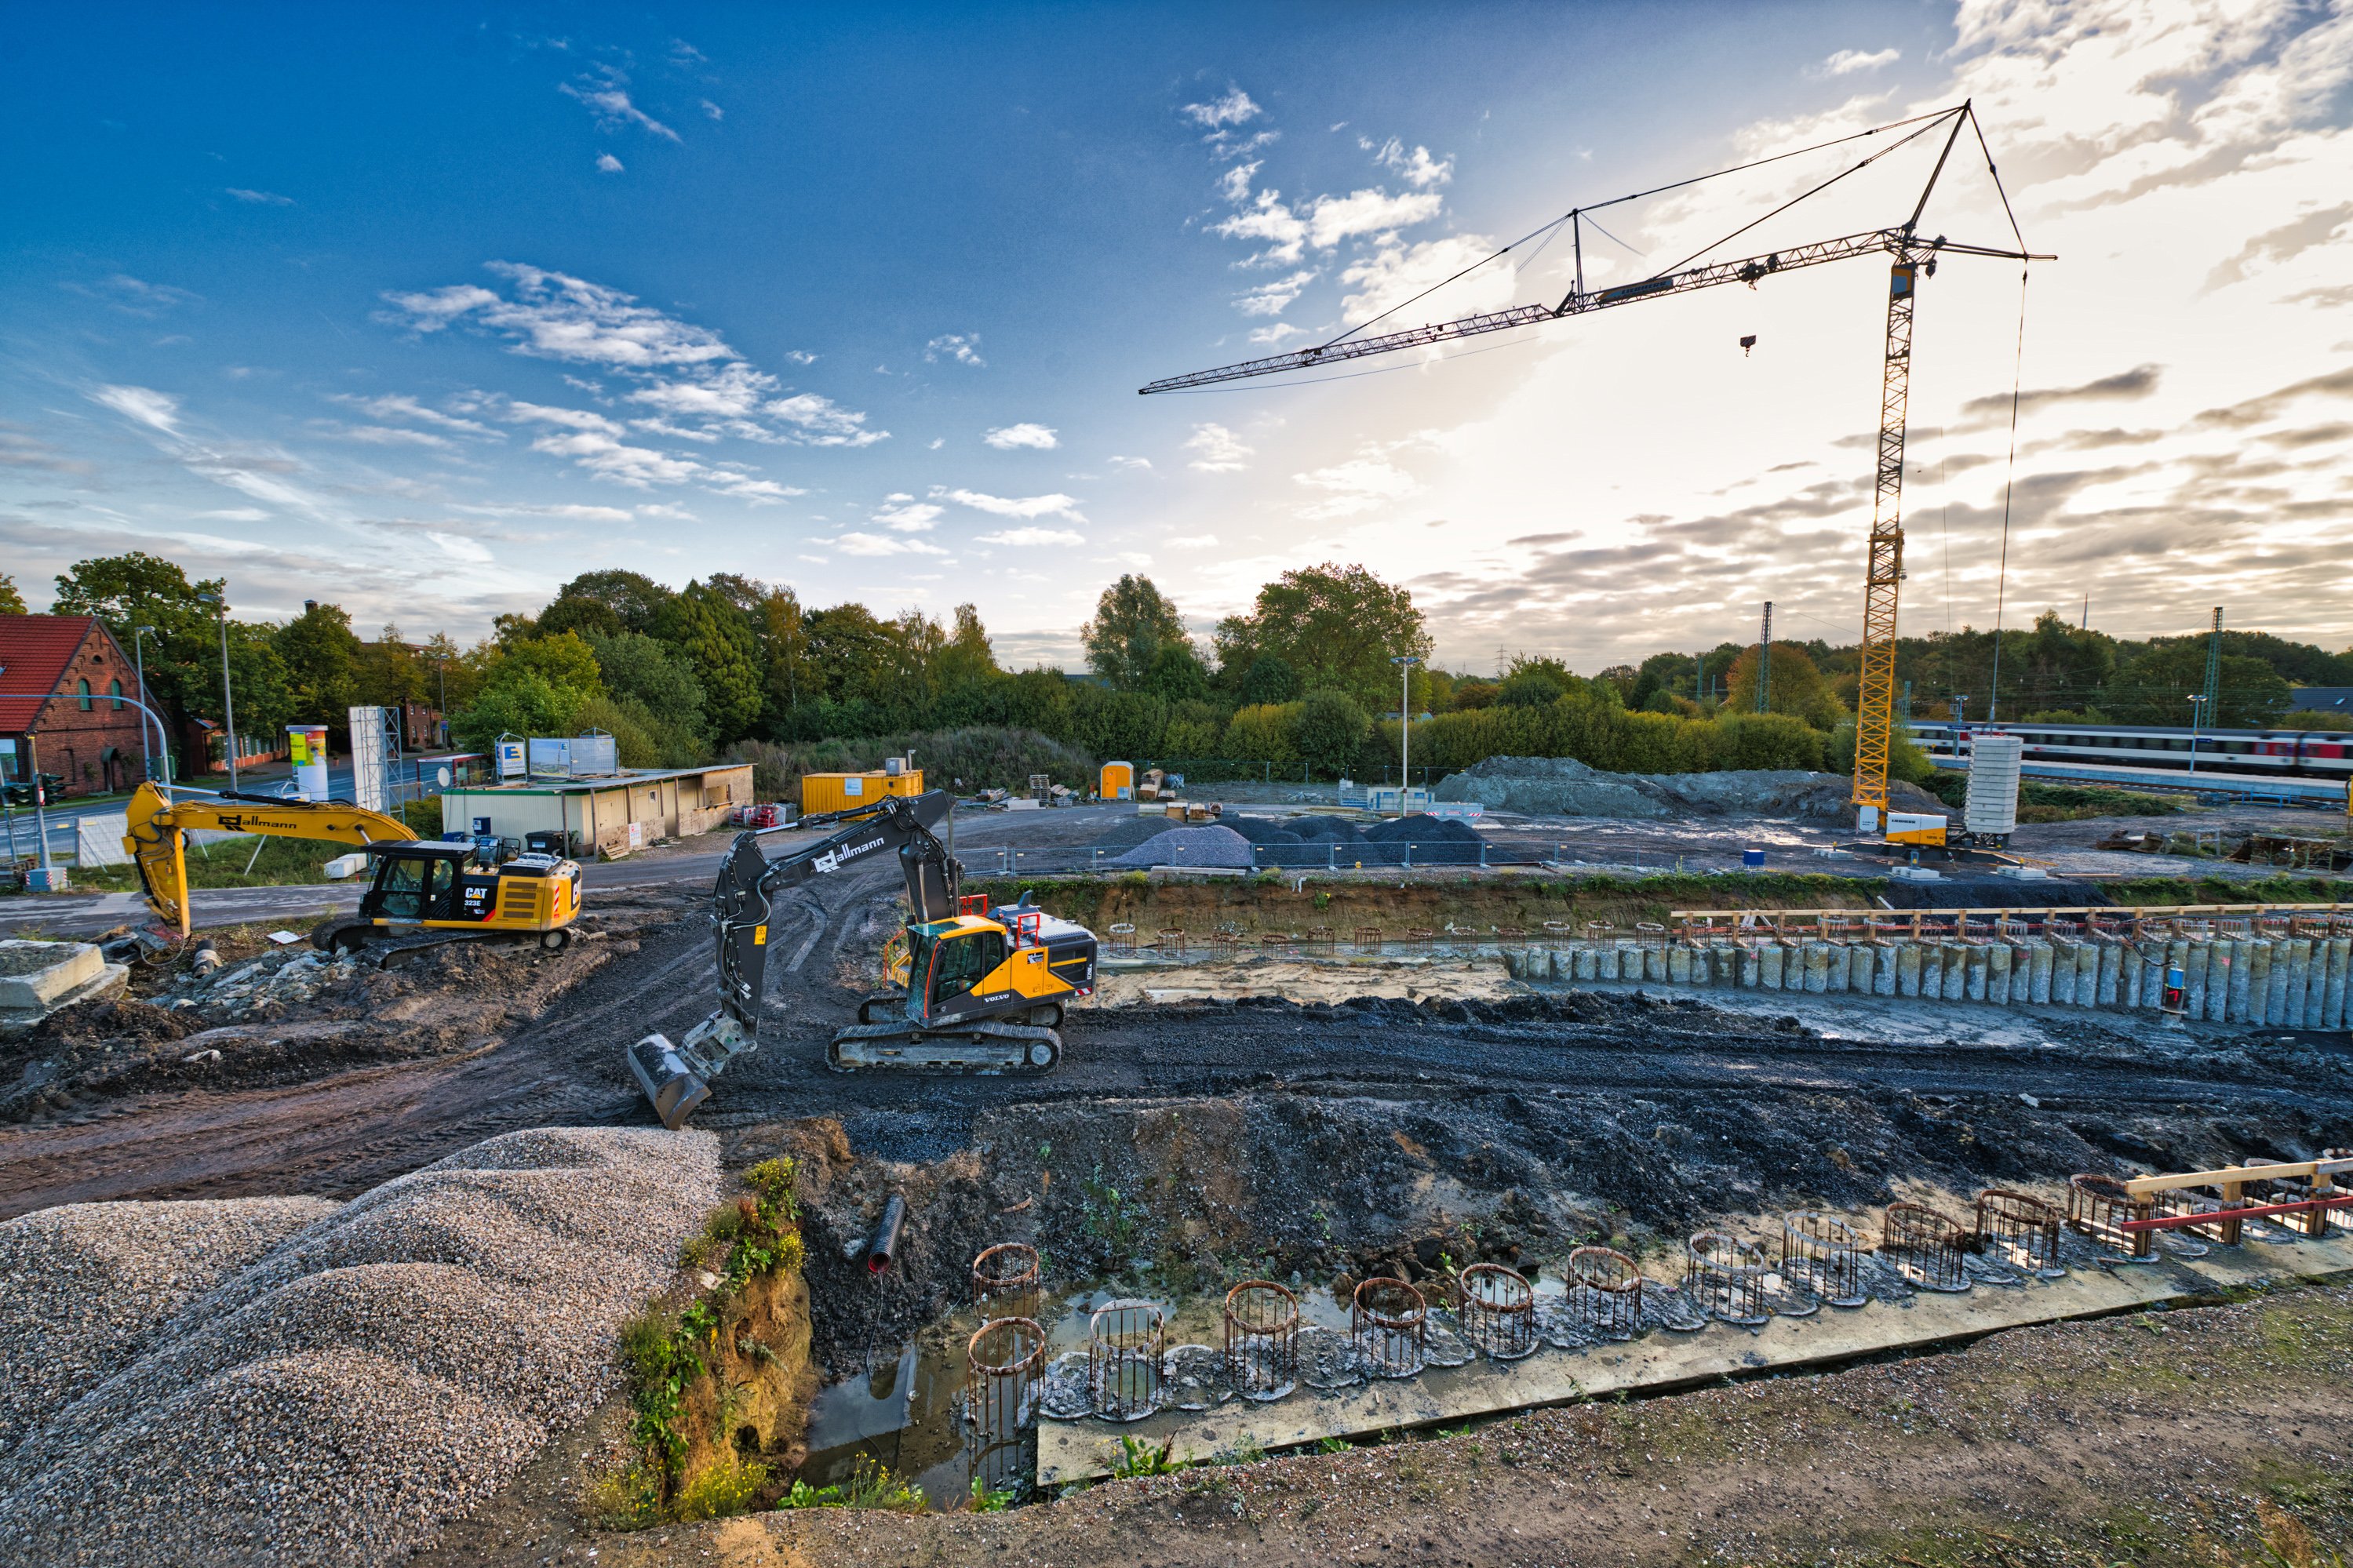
<point>1405,663</point>
<point>139,636</point>
<point>2197,716</point>
<point>229,703</point>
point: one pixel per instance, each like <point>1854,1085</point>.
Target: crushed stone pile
<point>332,1382</point>
<point>1563,786</point>
<point>1219,847</point>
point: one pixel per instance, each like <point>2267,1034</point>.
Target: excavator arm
<point>676,1077</point>
<point>157,835</point>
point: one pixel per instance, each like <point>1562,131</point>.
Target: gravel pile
<point>332,1397</point>
<point>1562,787</point>
<point>87,1288</point>
<point>1220,847</point>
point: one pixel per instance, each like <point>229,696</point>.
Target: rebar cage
<point>1003,1362</point>
<point>1387,1323</point>
<point>2019,1230</point>
<point>1726,1278</point>
<point>1005,1282</point>
<point>1262,1340</point>
<point>1497,1309</point>
<point>1823,1254</point>
<point>1124,1341</point>
<point>2098,1207</point>
<point>1927,1248</point>
<point>1605,1292</point>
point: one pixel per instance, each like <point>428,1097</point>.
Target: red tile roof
<point>35,652</point>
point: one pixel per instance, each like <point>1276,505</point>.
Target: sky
<point>423,310</point>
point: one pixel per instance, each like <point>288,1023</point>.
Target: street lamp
<point>229,703</point>
<point>139,636</point>
<point>1405,663</point>
<point>2197,713</point>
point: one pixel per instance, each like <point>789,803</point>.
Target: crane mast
<point>1915,258</point>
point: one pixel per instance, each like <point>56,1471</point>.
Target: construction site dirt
<point>1401,1124</point>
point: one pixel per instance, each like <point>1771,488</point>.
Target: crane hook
<point>1748,341</point>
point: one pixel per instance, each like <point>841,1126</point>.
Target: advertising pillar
<point>309,742</point>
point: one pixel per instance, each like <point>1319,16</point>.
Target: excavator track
<point>987,1049</point>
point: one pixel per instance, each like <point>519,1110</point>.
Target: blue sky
<point>424,312</point>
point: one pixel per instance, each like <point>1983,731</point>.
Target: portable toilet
<point>1118,781</point>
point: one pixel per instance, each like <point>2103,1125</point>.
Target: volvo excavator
<point>985,987</point>
<point>422,891</point>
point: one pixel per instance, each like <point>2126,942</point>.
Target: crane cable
<point>2009,483</point>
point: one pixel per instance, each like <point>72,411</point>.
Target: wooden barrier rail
<point>2231,1182</point>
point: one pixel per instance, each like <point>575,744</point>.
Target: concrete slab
<point>1080,1450</point>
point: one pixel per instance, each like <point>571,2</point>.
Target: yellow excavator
<point>421,887</point>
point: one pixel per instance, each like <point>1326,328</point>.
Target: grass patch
<point>870,1486</point>
<point>233,863</point>
<point>2144,891</point>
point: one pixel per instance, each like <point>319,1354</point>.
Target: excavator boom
<point>158,828</point>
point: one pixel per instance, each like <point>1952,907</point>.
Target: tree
<point>11,603</point>
<point>391,672</point>
<point>1330,731</point>
<point>717,640</point>
<point>322,657</point>
<point>654,688</point>
<point>610,601</point>
<point>2155,689</point>
<point>1795,686</point>
<point>1339,626</point>
<point>1132,622</point>
<point>182,655</point>
<point>1176,674</point>
<point>1269,679</point>
<point>1529,689</point>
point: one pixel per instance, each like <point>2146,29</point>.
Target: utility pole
<point>1764,659</point>
<point>2214,664</point>
<point>1405,663</point>
<point>139,636</point>
<point>228,702</point>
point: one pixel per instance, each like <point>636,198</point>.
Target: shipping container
<point>847,792</point>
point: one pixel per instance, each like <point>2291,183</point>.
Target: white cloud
<point>824,423</point>
<point>156,410</point>
<point>133,296</point>
<point>1274,335</point>
<point>1139,463</point>
<point>260,198</point>
<point>1017,537</point>
<point>570,418</point>
<point>567,510</point>
<point>238,515</point>
<point>607,96</point>
<point>1284,232</point>
<point>1055,505</point>
<point>459,548</point>
<point>964,347</point>
<point>713,111</point>
<point>905,514</point>
<point>1360,485</point>
<point>395,405</point>
<point>799,356</point>
<point>1007,438</point>
<point>1234,184</point>
<point>1192,542</point>
<point>1274,297</point>
<point>556,316</point>
<point>393,435</point>
<point>1846,62</point>
<point>607,164</point>
<point>734,391</point>
<point>1234,108</point>
<point>1218,450</point>
<point>1331,219</point>
<point>878,544</point>
<point>1417,168</point>
<point>608,459</point>
<point>1396,272</point>
<point>663,509</point>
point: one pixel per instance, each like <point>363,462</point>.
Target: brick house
<point>77,732</point>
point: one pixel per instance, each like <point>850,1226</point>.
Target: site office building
<point>85,730</point>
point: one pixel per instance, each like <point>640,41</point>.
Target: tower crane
<point>1915,258</point>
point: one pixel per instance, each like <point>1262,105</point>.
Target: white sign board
<point>512,765</point>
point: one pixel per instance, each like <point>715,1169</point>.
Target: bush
<point>1264,733</point>
<point>1328,732</point>
<point>423,817</point>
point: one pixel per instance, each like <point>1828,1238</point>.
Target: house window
<point>85,696</point>
<point>115,689</point>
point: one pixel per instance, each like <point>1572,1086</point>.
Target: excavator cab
<point>428,885</point>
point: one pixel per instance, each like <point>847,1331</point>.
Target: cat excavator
<point>984,988</point>
<point>422,891</point>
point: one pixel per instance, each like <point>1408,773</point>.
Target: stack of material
<point>1563,786</point>
<point>283,1381</point>
<point>1219,848</point>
